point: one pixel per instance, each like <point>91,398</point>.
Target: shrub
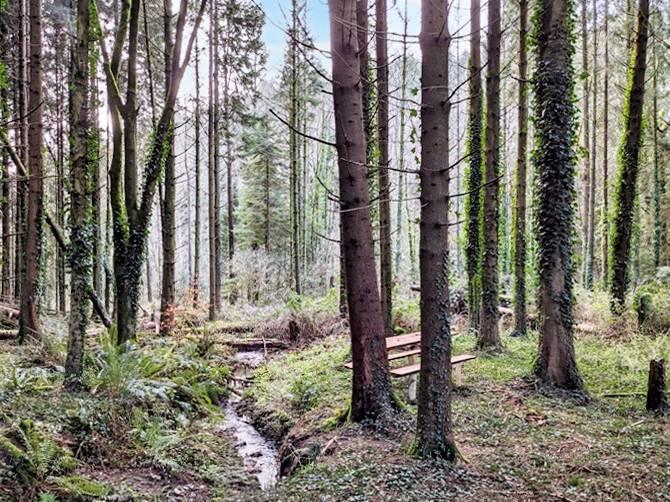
<point>652,305</point>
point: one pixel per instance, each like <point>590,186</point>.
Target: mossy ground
<point>148,428</point>
<point>519,443</point>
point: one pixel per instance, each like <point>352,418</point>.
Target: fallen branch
<point>257,344</point>
<point>624,394</point>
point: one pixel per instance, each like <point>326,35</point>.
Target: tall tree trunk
<point>98,185</point>
<point>169,195</point>
<point>385,258</point>
<point>5,193</point>
<point>266,216</point>
<point>131,220</point>
<point>5,288</point>
<point>60,162</point>
<point>629,152</point>
<point>474,181</point>
<point>218,237</point>
<point>82,165</point>
<point>22,141</point>
<point>401,148</point>
<point>659,187</point>
<point>371,392</point>
<point>434,429</point>
<point>605,208</point>
<point>196,248</point>
<point>212,173</point>
<point>520,208</point>
<point>294,151</point>
<point>586,138</point>
<point>488,324</point>
<point>554,157</point>
<point>590,257</point>
<point>29,326</point>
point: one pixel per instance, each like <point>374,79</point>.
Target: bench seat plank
<point>393,342</point>
<point>393,356</point>
<point>416,368</point>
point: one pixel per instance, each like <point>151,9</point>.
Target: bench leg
<point>411,388</point>
<point>458,374</point>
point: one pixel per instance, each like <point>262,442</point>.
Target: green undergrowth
<point>147,425</point>
<point>652,306</point>
<point>519,442</point>
<point>298,382</point>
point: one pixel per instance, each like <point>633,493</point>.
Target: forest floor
<point>150,427</point>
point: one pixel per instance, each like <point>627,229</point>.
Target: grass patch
<point>302,381</point>
<point>520,444</point>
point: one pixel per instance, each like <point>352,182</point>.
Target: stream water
<point>259,455</point>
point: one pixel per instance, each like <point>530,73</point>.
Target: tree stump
<point>657,400</point>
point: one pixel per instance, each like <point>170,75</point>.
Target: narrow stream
<point>259,455</point>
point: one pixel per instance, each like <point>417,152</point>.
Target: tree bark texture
<point>629,156</point>
<point>434,428</point>
<point>489,337</point>
<point>371,392</point>
<point>29,326</point>
<point>521,166</point>
<point>169,195</point>
<point>81,229</point>
<point>473,202</point>
<point>385,256</point>
<point>657,399</point>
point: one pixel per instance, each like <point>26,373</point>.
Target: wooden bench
<point>392,357</point>
<point>456,361</point>
<point>412,340</point>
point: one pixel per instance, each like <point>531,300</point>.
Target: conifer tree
<point>263,194</point>
<point>488,336</point>
<point>474,172</point>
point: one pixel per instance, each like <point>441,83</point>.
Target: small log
<point>657,400</point>
<point>8,334</point>
<point>257,344</point>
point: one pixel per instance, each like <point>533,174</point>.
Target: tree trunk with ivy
<point>132,209</point>
<point>82,231</point>
<point>555,159</point>
<point>29,326</point>
<point>659,177</point>
<point>474,176</point>
<point>629,155</point>
<point>488,336</point>
<point>520,207</point>
<point>434,428</point>
<point>371,392</point>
